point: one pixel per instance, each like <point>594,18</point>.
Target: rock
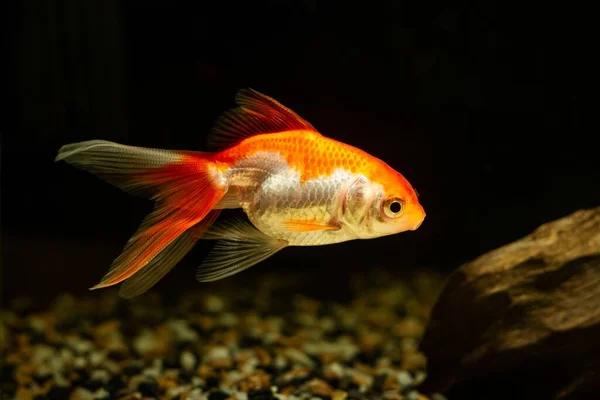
<point>296,356</point>
<point>181,331</point>
<point>409,327</point>
<point>522,321</point>
<point>213,304</point>
<point>404,379</point>
<point>187,360</point>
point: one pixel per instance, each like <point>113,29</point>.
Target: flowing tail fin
<point>185,193</point>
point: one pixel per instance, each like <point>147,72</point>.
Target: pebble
<point>404,379</point>
<point>409,327</point>
<point>182,331</point>
<point>100,375</point>
<point>146,342</point>
<point>344,350</point>
<point>363,380</point>
<point>80,362</point>
<point>213,304</point>
<point>412,395</point>
<point>296,356</point>
<point>334,371</point>
<point>78,345</point>
<point>187,360</point>
<point>206,349</point>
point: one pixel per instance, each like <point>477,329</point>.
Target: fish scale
<point>278,195</point>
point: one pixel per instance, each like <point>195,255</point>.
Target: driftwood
<point>522,321</point>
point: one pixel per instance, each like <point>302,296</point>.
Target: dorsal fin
<point>256,114</point>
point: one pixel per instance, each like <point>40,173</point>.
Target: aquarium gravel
<point>251,344</point>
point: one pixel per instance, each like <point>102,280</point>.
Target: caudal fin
<point>179,182</point>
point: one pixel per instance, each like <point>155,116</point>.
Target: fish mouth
<point>417,217</point>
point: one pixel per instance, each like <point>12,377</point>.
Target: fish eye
<point>393,207</point>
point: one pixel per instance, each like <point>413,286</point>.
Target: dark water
<point>465,101</point>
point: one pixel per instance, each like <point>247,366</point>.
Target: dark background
<point>480,106</point>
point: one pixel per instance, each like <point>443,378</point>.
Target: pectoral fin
<point>240,246</point>
<point>299,225</point>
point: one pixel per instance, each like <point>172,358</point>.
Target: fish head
<point>383,205</point>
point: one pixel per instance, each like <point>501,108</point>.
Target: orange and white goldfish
<point>297,187</point>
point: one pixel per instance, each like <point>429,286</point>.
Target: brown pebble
<point>288,390</point>
<point>263,355</point>
<point>413,361</point>
<point>369,341</point>
<point>391,383</point>
<point>106,328</point>
<point>4,338</point>
<point>409,327</point>
<point>329,357</point>
<point>293,374</point>
<point>367,369</point>
<point>204,371</point>
<point>379,318</point>
<point>307,305</point>
<point>293,341</point>
<point>166,382</point>
<point>231,337</point>
<point>205,323</point>
<point>319,387</point>
<point>23,341</point>
<point>81,393</point>
<point>258,380</point>
<point>49,323</point>
<point>23,374</point>
<point>252,318</point>
<point>418,309</point>
<point>23,393</point>
<point>393,396</point>
<point>298,356</point>
<point>338,395</point>
<point>221,363</point>
<point>362,379</point>
<point>13,358</point>
<point>333,371</point>
<point>132,396</point>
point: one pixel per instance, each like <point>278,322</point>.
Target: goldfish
<point>296,186</point>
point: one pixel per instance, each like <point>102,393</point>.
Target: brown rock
<point>258,380</point>
<point>204,371</point>
<point>24,393</point>
<point>391,383</point>
<point>339,395</point>
<point>263,355</point>
<point>393,396</point>
<point>319,387</point>
<point>409,327</point>
<point>292,375</point>
<point>287,390</point>
<point>305,304</point>
<point>413,361</point>
<point>522,321</point>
